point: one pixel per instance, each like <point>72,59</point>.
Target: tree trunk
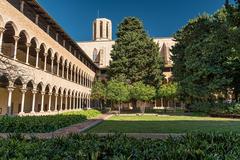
<point>134,104</point>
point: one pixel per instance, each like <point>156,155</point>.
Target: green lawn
<point>166,124</point>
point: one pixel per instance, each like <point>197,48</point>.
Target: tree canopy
<point>142,92</point>
<point>135,56</point>
<point>206,55</point>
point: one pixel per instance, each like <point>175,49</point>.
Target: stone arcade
<point>49,72</point>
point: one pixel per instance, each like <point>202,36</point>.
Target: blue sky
<point>162,18</point>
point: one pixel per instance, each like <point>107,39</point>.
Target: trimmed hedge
<point>119,147</point>
<point>42,124</point>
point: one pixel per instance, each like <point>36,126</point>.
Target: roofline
<point>45,13</point>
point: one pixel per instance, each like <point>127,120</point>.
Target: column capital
<point>34,91</point>
<point>28,45</point>
<point>37,50</point>
<point>50,93</point>
<point>52,58</point>
<point>16,38</point>
<point>2,29</point>
<point>23,90</point>
<point>42,93</point>
<point>56,94</point>
<point>66,96</point>
<point>10,89</point>
<point>45,54</point>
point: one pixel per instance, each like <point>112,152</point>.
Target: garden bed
<point>43,124</point>
<point>223,115</point>
<point>191,146</point>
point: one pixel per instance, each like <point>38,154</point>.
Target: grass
<point>166,124</point>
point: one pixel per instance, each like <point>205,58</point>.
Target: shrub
<point>192,146</point>
<point>30,124</point>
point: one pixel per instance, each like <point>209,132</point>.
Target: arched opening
<point>17,97</point>
<point>54,92</point>
<point>65,69</point>
<point>76,75</point>
<point>38,98</point>
<point>28,98</point>
<point>46,98</point>
<point>107,28</point>
<point>64,99</point>
<point>69,100</point>
<point>22,47</point>
<point>4,83</point>
<point>8,41</point>
<point>55,64</point>
<point>95,53</point>
<point>49,61</point>
<point>33,53</point>
<point>59,98</point>
<point>41,57</point>
<point>94,32</point>
<point>60,66</point>
<point>73,73</point>
<point>69,70</point>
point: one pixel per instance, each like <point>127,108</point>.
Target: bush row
<point>119,147</point>
<point>216,108</point>
<point>31,124</point>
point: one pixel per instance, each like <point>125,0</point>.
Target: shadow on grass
<point>172,126</point>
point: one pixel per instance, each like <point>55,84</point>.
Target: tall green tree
<point>99,92</point>
<point>206,56</point>
<point>135,56</point>
<point>117,92</point>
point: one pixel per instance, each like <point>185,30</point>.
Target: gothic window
<point>95,53</point>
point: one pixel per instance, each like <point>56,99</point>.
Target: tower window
<point>101,29</point>
<point>107,29</point>
<point>94,28</point>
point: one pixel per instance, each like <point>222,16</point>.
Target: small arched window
<point>101,29</point>
<point>95,53</point>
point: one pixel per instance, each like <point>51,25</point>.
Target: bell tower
<point>102,29</point>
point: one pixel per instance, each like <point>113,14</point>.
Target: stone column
<point>49,101</point>
<point>16,38</point>
<point>52,63</point>
<point>34,92</point>
<point>27,54</point>
<point>66,102</point>
<point>74,76</point>
<point>22,6</point>
<point>70,102</point>
<point>9,106</point>
<point>1,38</point>
<point>161,102</point>
<point>37,57</point>
<point>58,67</point>
<point>61,102</point>
<point>45,61</point>
<point>56,102</point>
<point>42,102</point>
<point>23,90</point>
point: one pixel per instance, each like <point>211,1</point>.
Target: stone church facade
<point>100,48</point>
<point>42,69</point>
